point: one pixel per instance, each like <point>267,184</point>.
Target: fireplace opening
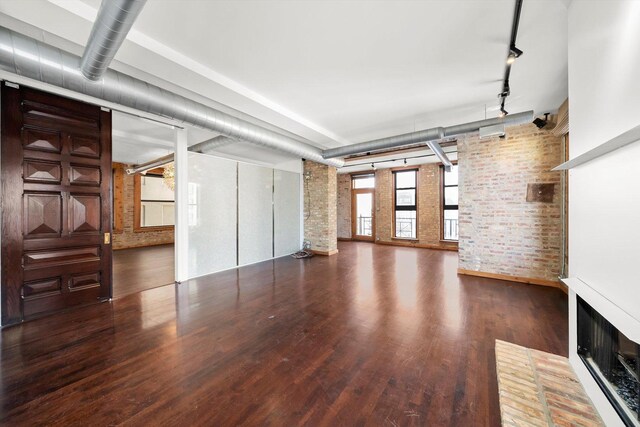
<point>612,359</point>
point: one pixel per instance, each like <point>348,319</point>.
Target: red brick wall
<point>500,232</point>
<point>129,237</point>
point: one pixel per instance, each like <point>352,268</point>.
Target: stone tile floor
<point>540,389</point>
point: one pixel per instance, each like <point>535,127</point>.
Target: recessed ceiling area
<point>333,72</point>
<point>137,140</point>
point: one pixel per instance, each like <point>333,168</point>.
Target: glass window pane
<point>406,179</point>
<point>406,224</point>
<point>368,181</point>
<point>212,214</point>
<point>451,178</point>
<point>451,195</point>
<point>255,213</point>
<point>286,212</point>
<point>364,214</point>
<point>155,214</point>
<point>405,197</point>
<point>451,224</point>
<point>154,188</point>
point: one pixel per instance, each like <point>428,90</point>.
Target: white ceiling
<point>331,72</point>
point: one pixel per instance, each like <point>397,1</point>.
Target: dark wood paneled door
<point>56,203</point>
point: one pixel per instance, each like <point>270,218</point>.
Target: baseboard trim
<point>344,239</point>
<point>141,246</point>
<point>453,248</point>
<point>519,279</point>
<point>324,253</point>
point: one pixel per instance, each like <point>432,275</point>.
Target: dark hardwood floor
<point>376,335</point>
<point>139,269</point>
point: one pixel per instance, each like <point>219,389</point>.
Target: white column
<point>182,207</point>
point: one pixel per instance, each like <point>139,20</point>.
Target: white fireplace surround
<point>623,321</point>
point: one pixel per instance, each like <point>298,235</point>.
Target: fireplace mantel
<point>623,321</point>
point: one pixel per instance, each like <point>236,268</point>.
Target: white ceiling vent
<point>489,131</point>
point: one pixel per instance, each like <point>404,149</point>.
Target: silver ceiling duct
<point>384,143</point>
<point>32,59</point>
<point>438,151</point>
<point>433,134</point>
<point>111,27</point>
<point>212,144</point>
<point>152,164</point>
<point>201,147</point>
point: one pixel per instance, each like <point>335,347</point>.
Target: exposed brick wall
<point>129,238</point>
<point>320,207</point>
<point>384,204</point>
<point>429,205</point>
<point>500,232</point>
<point>344,206</point>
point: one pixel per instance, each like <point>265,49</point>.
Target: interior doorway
<point>363,207</point>
<point>143,205</point>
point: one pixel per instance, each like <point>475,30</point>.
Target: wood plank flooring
<point>138,269</point>
<point>376,335</point>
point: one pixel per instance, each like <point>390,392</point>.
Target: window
<point>450,204</point>
<point>362,206</point>
<point>154,202</point>
<point>363,181</point>
<point>405,202</point>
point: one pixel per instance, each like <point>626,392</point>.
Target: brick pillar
<point>320,208</point>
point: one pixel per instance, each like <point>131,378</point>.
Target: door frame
<point>354,227</point>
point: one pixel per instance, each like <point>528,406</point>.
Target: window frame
<point>354,191</point>
<point>395,171</point>
<point>444,207</point>
<point>137,204</point>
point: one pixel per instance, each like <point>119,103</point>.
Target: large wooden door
<point>56,203</point>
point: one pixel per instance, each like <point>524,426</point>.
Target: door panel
<point>363,214</point>
<point>56,203</point>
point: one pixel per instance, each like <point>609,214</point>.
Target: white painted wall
<point>604,195</point>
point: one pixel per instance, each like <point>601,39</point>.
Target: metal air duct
<point>439,152</point>
<point>212,144</point>
<point>156,163</point>
<point>32,59</point>
<point>111,27</point>
<point>433,134</point>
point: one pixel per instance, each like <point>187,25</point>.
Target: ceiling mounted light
<point>405,162</point>
<point>517,53</point>
<point>540,123</point>
<point>503,112</point>
<point>373,166</point>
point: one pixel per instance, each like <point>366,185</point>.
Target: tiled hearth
<point>540,389</point>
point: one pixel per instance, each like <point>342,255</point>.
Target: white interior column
<point>182,207</point>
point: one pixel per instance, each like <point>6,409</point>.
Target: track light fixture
<point>540,123</point>
<point>515,51</point>
<point>405,162</point>
<point>373,166</point>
